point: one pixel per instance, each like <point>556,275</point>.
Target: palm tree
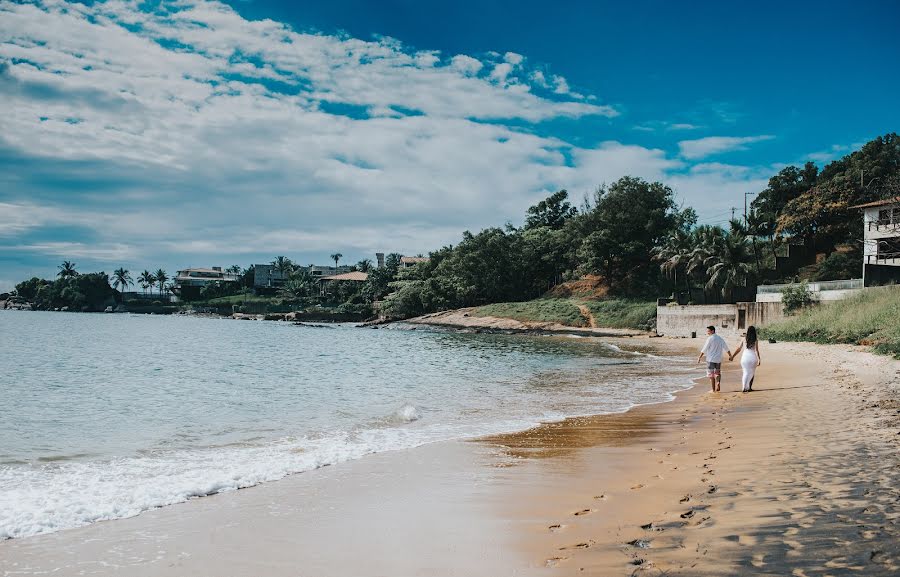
<point>674,254</point>
<point>757,226</point>
<point>365,265</point>
<point>283,265</point>
<point>121,278</point>
<point>336,257</point>
<point>67,269</point>
<point>234,269</point>
<point>147,280</point>
<point>728,266</point>
<point>161,278</point>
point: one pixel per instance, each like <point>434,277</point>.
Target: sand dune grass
<point>870,318</point>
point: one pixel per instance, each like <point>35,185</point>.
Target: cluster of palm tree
<point>721,260</point>
<point>148,280</point>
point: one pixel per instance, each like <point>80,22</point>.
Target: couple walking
<point>715,348</point>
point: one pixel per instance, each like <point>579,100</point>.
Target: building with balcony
<point>190,281</point>
<point>881,248</point>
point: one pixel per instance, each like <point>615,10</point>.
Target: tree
<point>552,212</point>
<point>674,255</point>
<point>67,269</point>
<point>365,265</point>
<point>122,279</point>
<point>147,280</point>
<point>628,219</point>
<point>283,265</point>
<point>336,257</point>
<point>234,269</point>
<point>788,184</point>
<point>729,264</point>
<point>161,278</point>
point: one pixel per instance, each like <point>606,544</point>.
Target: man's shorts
<point>713,369</point>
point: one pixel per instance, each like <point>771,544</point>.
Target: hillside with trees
<point>630,238</point>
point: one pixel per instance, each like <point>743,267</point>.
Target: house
<point>318,271</point>
<point>353,277</point>
<point>410,261</point>
<point>190,281</point>
<point>881,248</point>
<point>267,276</point>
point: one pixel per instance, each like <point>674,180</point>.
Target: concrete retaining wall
<point>729,320</point>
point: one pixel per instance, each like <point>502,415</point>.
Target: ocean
<point>104,416</point>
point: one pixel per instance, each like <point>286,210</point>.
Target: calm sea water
<point>105,416</point>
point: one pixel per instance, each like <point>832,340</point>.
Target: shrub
<point>796,296</point>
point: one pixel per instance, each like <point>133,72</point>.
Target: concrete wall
<point>682,320</point>
<point>829,295</point>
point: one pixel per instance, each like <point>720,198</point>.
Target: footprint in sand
<point>686,498</point>
<point>638,486</point>
<point>554,528</point>
<point>554,561</point>
<point>687,514</point>
<point>584,545</point>
<point>583,512</point>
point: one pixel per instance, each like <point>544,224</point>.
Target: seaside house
<point>190,281</point>
<point>318,271</point>
<point>326,282</point>
<point>410,261</point>
<point>881,249</point>
<point>266,276</point>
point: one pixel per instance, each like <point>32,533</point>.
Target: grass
<point>562,311</point>
<point>612,313</point>
<point>623,313</point>
<point>869,318</point>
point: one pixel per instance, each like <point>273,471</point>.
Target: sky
<point>196,133</point>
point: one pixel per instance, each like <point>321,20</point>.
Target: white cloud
<point>466,64</point>
<point>235,138</point>
<point>703,147</point>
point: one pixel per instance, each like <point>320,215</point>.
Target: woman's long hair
<point>751,337</point>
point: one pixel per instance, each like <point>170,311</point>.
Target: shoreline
<point>464,319</point>
<point>565,496</point>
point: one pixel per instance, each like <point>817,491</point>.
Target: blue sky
<point>198,133</point>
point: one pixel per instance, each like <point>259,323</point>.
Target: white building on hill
<point>881,251</point>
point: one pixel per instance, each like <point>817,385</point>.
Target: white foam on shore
<point>46,497</point>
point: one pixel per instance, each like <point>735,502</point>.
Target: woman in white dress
<point>750,359</point>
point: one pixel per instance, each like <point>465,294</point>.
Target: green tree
<point>67,269</point>
<point>146,280</point>
<point>336,257</point>
<point>365,265</point>
<point>161,278</point>
<point>552,212</point>
<point>283,265</point>
<point>121,279</point>
<point>629,219</point>
<point>729,264</point>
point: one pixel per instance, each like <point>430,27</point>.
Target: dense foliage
<point>77,292</point>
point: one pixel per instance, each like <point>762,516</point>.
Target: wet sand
<point>801,477</point>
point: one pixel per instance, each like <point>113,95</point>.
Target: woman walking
<point>750,359</point>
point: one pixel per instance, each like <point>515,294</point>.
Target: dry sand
<point>800,477</point>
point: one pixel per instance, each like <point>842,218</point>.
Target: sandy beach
<point>800,477</point>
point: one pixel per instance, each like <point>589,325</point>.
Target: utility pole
<point>746,194</point>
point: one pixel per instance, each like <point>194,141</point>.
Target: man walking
<point>714,349</point>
